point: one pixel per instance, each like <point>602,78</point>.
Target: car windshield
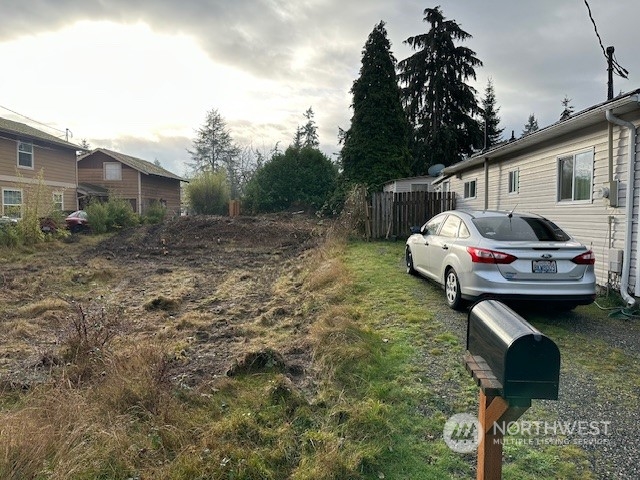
<point>520,228</point>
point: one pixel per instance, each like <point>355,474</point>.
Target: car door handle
<point>445,247</point>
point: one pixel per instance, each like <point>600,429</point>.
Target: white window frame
<point>58,201</point>
<point>468,186</point>
<point>28,153</point>
<point>5,205</point>
<point>586,159</point>
<point>514,181</point>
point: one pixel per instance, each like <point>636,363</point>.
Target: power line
<point>618,69</point>
<point>64,132</point>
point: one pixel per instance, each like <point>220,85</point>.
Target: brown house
<point>104,173</point>
<point>36,169</point>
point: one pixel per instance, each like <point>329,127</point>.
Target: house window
<point>574,176</point>
<point>470,189</point>
<point>58,201</point>
<point>112,171</point>
<point>12,203</point>
<point>514,181</point>
<point>25,155</point>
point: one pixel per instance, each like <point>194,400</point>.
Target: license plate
<point>545,266</point>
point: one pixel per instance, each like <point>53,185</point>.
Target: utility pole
<point>610,51</point>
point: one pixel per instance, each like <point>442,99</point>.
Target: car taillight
<point>586,258</point>
<point>483,255</point>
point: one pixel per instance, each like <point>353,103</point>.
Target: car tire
<point>76,228</point>
<point>409,261</point>
<point>452,290</point>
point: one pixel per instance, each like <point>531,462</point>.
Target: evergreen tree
<point>310,131</point>
<point>567,110</point>
<point>531,125</point>
<point>306,136</point>
<point>491,118</point>
<point>375,147</point>
<point>214,149</point>
<point>440,105</point>
<point>299,178</point>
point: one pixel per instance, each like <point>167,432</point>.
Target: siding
<point>58,169</point>
<point>589,222</point>
<point>161,188</point>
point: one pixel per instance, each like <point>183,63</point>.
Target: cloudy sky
<point>139,77</point>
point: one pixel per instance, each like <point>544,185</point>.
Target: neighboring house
<point>577,173</point>
<point>36,169</point>
<point>103,173</point>
<point>411,184</point>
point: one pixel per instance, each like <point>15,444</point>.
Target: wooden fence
<point>393,214</point>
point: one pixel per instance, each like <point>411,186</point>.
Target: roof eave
<point>585,118</point>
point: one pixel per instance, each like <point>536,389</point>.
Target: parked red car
<point>78,221</point>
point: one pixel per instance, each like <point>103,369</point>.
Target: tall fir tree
<point>214,150</point>
<point>441,106</point>
<point>376,145</point>
<point>531,125</point>
<point>493,132</point>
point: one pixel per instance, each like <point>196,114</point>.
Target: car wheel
<point>76,228</point>
<point>409,259</point>
<point>452,290</point>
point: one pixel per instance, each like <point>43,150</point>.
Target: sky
<point>139,77</point>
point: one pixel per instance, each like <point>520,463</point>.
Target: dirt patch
<point>211,289</point>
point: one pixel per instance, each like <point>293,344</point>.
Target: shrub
<point>110,216</point>
<point>97,214</point>
<point>209,193</point>
<point>9,236</point>
<point>155,213</point>
<point>120,214</point>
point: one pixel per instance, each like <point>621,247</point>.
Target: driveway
<point>585,393</point>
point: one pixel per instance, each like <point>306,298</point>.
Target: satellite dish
<point>434,170</point>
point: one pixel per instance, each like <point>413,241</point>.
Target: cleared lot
<point>353,365</point>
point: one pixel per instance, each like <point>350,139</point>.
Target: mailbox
<point>524,361</point>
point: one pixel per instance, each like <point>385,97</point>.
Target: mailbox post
<point>512,363</point>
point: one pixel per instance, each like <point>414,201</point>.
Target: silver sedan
<point>505,255</point>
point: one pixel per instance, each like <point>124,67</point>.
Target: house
<point>103,173</point>
<point>578,173</point>
<point>409,184</point>
<point>36,169</point>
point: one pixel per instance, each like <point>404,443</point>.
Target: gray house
<point>409,184</point>
<point>576,172</point>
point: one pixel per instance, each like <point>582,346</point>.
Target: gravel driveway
<point>616,455</point>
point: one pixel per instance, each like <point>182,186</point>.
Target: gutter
<point>626,259</point>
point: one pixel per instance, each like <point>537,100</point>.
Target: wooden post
<point>490,448</point>
<point>492,408</point>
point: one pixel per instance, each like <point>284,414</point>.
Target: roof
<point>425,178</point>
<point>142,166</point>
<point>20,131</point>
<point>92,190</point>
<point>588,117</point>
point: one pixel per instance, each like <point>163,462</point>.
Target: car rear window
<point>520,228</point>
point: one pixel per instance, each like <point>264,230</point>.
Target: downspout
<point>626,259</point>
<point>486,183</point>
